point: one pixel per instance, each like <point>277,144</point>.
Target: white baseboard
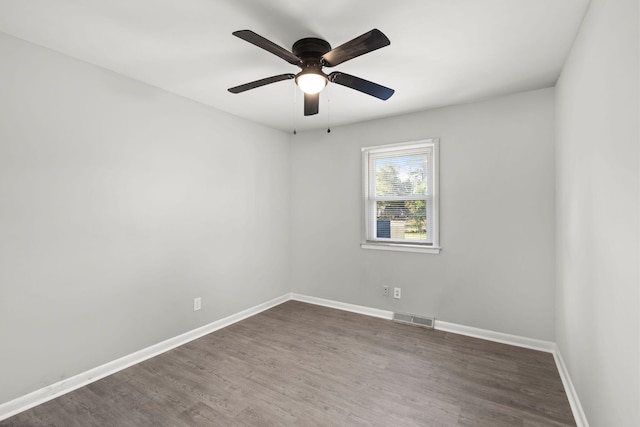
<point>574,402</point>
<point>469,331</point>
<point>485,334</point>
<point>52,391</point>
<point>374,312</point>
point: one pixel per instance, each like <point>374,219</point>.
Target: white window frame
<point>369,200</point>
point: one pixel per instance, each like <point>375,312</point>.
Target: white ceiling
<point>442,52</point>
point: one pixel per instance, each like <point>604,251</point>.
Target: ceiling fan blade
<point>365,43</point>
<point>267,45</point>
<point>261,82</point>
<point>362,85</point>
<point>311,103</point>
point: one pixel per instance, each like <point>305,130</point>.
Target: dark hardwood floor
<point>305,365</point>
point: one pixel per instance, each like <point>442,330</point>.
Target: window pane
<point>401,220</point>
<point>401,176</point>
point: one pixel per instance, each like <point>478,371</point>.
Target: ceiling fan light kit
<point>312,55</point>
<point>311,81</point>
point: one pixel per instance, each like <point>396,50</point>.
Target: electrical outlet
<point>197,304</point>
<point>386,291</point>
<point>396,293</point>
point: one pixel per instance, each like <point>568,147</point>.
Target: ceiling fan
<point>312,55</point>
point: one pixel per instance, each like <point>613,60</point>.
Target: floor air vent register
<point>412,319</point>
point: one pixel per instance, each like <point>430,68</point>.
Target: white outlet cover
<point>396,293</point>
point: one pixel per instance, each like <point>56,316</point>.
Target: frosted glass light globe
<point>311,83</point>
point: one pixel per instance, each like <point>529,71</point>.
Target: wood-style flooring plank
<point>299,364</point>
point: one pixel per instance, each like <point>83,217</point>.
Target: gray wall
<point>598,215</point>
<point>497,183</point>
<point>120,203</point>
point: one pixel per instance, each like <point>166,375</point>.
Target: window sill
<point>400,247</point>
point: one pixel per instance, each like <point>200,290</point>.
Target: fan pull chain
<point>328,111</point>
<point>295,107</point>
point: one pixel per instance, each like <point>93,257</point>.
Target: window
<point>401,197</point>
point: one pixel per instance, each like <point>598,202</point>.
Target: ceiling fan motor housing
<point>310,49</point>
